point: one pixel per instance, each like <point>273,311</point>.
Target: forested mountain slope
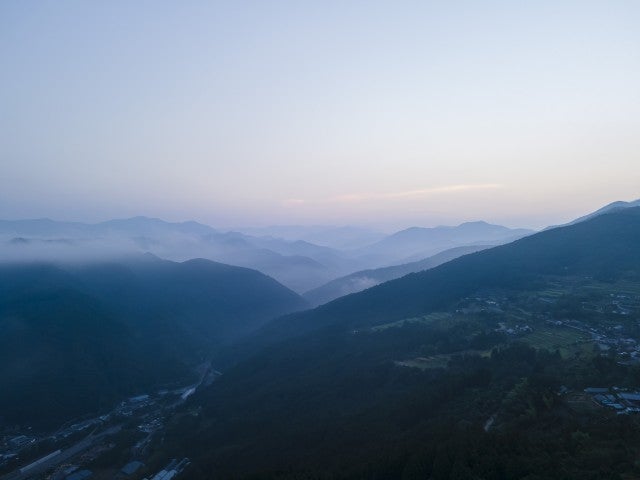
<point>427,377</point>
<point>76,338</point>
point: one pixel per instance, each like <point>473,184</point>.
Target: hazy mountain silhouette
<point>364,279</point>
<point>417,243</point>
<point>299,265</point>
<point>339,238</point>
<point>135,226</point>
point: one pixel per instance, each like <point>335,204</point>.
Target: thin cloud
<point>360,197</point>
<point>294,201</point>
<point>421,192</point>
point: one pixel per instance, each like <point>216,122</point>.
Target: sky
<point>386,114</point>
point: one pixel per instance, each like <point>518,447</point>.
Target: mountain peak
<point>478,223</point>
<point>611,207</point>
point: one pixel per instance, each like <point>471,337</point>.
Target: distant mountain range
<point>423,238</point>
<point>297,263</point>
<point>335,265</point>
<point>135,226</point>
<point>78,337</point>
<point>340,238</point>
<point>417,243</point>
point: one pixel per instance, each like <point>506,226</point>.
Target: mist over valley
<point>320,240</point>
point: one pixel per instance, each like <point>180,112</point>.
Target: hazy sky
<point>386,113</point>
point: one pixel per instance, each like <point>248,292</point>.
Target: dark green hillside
<point>75,339</point>
<point>16,279</point>
<point>364,279</point>
<point>62,354</point>
<point>221,300</point>
<point>452,391</point>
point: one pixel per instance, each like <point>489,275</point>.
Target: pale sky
<point>271,112</point>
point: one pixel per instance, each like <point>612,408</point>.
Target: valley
<point>92,447</point>
<point>539,337</point>
<point>335,240</point>
<point>522,347</point>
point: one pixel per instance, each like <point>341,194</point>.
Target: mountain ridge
<point>361,280</point>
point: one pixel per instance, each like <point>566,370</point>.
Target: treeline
<point>338,407</point>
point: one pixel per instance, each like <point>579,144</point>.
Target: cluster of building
<point>607,339</point>
<point>515,330</point>
<point>616,303</point>
<point>128,407</point>
<point>151,425</point>
<point>11,445</point>
<point>623,304</point>
<point>20,441</point>
<point>172,469</point>
<point>79,427</point>
<point>147,408</point>
<point>71,472</point>
<point>622,401</point>
<point>80,475</point>
<point>6,458</point>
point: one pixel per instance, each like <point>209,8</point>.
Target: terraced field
<point>439,361</point>
<point>568,341</point>
<point>439,318</point>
